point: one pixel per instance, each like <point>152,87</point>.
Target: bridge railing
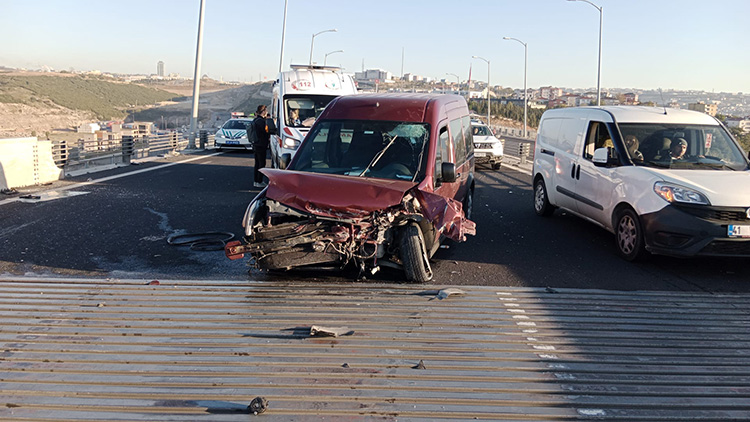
<point>96,154</point>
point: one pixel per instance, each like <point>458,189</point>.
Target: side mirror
<point>449,172</point>
<point>284,161</point>
<point>603,159</point>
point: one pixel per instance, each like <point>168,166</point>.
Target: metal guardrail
<point>118,150</point>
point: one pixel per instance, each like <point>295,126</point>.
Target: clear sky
<point>669,44</point>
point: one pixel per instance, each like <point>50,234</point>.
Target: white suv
<point>487,148</point>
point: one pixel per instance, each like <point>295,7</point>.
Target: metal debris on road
<point>317,330</point>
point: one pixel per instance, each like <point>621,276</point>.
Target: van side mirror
<point>603,159</point>
<point>284,161</point>
<point>449,172</point>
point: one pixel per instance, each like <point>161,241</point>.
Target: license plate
<point>738,231</point>
<point>233,142</point>
<point>480,154</point>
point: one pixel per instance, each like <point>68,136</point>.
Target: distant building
<point>160,69</point>
<point>743,124</point>
<point>372,75</point>
<point>709,109</point>
<point>88,128</point>
<point>550,92</point>
<point>630,98</point>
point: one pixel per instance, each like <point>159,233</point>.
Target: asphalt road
<point>119,229</point>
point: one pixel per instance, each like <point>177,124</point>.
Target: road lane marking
<point>108,178</point>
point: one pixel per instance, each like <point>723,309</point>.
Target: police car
<point>233,133</point>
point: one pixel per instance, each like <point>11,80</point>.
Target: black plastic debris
<point>258,405</point>
<point>420,365</point>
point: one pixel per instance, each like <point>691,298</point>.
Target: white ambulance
<point>299,96</point>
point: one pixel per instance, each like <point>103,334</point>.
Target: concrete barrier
<point>26,162</point>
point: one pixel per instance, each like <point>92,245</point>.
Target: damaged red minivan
<point>380,180</point>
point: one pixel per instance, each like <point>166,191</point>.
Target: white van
<point>666,181</point>
<point>299,96</point>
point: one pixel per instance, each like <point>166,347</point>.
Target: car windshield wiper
<point>378,155</point>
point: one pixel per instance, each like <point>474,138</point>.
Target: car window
<point>365,148</point>
<point>441,151</point>
<point>480,130</point>
<point>457,135</point>
<point>235,124</point>
<point>468,137</point>
<point>598,136</point>
<point>706,146</point>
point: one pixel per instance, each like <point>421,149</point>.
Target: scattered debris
<point>29,196</point>
<point>100,305</point>
<point>317,330</point>
<point>153,283</point>
<point>208,241</point>
<point>452,291</point>
<point>258,405</point>
<point>550,290</point>
<point>10,191</point>
<point>420,365</point>
<point>345,365</point>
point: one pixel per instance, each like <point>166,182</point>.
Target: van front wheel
<point>629,234</point>
<point>414,255</point>
<point>542,207</point>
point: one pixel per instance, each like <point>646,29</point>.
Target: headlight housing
<point>290,143</point>
<point>671,193</point>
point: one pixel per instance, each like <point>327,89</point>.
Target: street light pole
<point>599,68</point>
<point>196,78</point>
<point>525,101</point>
<point>312,43</point>
<point>458,81</point>
<point>283,33</point>
<point>488,87</point>
<point>325,59</point>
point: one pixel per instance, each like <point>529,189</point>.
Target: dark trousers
<point>260,161</point>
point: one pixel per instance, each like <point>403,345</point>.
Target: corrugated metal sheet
<point>202,350</point>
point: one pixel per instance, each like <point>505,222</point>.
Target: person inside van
<point>632,144</point>
<point>294,117</point>
<point>678,149</point>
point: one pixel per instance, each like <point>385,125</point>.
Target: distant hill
<point>104,99</point>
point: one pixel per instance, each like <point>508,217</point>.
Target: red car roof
<point>388,107</point>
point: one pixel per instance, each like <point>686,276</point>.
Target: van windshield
<point>365,148</point>
<point>302,110</point>
<point>692,147</point>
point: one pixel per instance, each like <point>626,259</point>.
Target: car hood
<point>331,195</point>
<point>723,188</point>
<point>337,196</point>
<point>232,133</point>
<point>485,139</point>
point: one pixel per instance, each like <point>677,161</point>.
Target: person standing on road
<point>260,146</point>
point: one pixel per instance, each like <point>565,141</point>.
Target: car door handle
<point>575,172</point>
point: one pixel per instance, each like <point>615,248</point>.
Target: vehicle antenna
<point>663,103</point>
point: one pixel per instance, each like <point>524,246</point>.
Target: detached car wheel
<point>629,235</point>
<point>414,255</point>
<point>542,207</point>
